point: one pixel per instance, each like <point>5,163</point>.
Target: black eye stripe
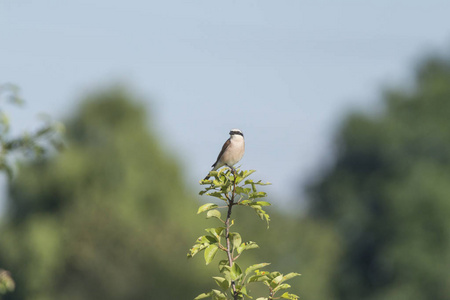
<point>236,132</point>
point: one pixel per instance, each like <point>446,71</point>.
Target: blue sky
<point>284,72</point>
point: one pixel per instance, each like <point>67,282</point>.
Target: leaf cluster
<point>226,185</point>
<point>34,144</point>
<point>233,188</point>
<point>274,280</point>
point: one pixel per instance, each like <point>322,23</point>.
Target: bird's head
<point>236,132</point>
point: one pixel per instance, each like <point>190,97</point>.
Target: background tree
<point>30,144</point>
<point>387,194</point>
<point>106,218</point>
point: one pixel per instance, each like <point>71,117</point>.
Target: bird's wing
<point>224,147</point>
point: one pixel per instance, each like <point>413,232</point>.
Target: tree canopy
<point>387,194</point>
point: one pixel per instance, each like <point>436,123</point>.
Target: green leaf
<point>197,248</point>
<point>263,203</point>
<point>245,202</point>
<point>217,195</point>
<point>242,290</point>
<point>289,296</point>
<point>203,295</point>
<point>267,217</point>
<point>236,272</point>
<point>283,286</point>
<point>209,239</point>
<point>223,283</point>
<point>225,269</point>
<point>223,266</point>
<point>213,174</point>
<point>210,252</point>
<point>247,173</point>
<point>206,207</point>
<point>217,232</point>
<point>201,243</point>
<point>275,274</point>
<point>289,276</point>
<point>255,267</point>
<point>206,240</point>
<point>227,274</point>
<point>214,213</point>
<point>218,295</point>
<point>246,246</point>
<point>258,278</point>
<point>257,195</point>
<point>275,281</point>
<point>262,183</point>
<point>194,250</point>
<point>256,207</point>
<point>261,213</point>
<point>217,183</point>
<point>236,239</point>
<point>242,190</point>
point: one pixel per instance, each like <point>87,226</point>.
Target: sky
<point>284,72</point>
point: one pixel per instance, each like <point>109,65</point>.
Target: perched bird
<point>232,151</point>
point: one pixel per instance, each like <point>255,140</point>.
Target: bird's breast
<point>235,153</point>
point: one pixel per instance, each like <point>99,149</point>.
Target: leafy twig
<point>226,185</point>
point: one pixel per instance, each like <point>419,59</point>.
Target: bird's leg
<point>233,170</point>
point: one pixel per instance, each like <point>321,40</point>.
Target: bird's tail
<point>213,169</point>
<point>207,176</point>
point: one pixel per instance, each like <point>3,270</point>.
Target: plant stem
<point>227,233</point>
<point>271,294</point>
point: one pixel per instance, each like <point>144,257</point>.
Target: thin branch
<point>221,247</point>
<point>227,234</point>
<point>270,293</point>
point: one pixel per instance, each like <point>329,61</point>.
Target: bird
<point>232,151</point>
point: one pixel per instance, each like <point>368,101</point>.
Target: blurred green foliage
<point>15,146</point>
<point>7,284</point>
<point>105,219</point>
<point>111,218</point>
<point>388,194</point>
